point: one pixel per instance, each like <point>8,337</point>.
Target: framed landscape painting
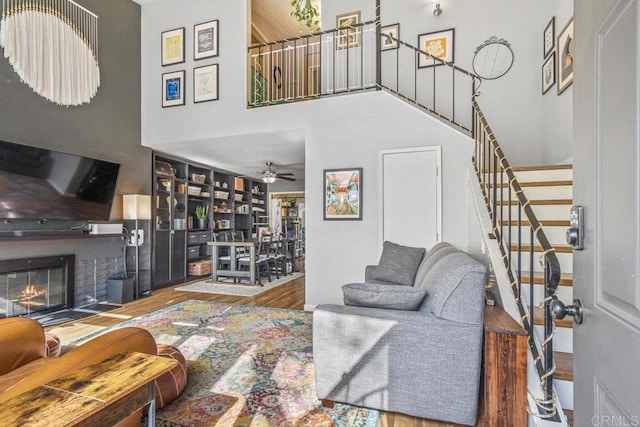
<point>438,44</point>
<point>173,46</point>
<point>343,194</point>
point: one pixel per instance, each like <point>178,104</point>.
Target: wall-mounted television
<point>41,186</point>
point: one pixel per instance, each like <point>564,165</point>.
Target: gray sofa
<point>423,361</point>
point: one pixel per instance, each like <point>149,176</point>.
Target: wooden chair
<point>262,261</point>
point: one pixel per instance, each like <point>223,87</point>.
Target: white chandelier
<point>53,46</point>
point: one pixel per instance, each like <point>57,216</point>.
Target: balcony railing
<point>308,66</point>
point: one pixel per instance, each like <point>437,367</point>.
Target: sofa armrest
<point>400,361</point>
<point>369,272</point>
<point>21,342</point>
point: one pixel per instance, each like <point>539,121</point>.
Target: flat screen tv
<point>47,186</point>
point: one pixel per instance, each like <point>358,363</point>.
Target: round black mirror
<point>493,58</point>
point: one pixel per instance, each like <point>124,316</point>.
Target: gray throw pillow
<point>395,297</point>
<point>398,264</point>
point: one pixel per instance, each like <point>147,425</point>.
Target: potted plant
<point>306,13</point>
<point>202,212</point>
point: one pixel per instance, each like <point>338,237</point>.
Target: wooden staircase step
<point>538,319</point>
<point>544,222</point>
<point>566,279</point>
<point>536,184</point>
<point>564,366</point>
<point>534,168</point>
<point>559,249</point>
<point>537,202</point>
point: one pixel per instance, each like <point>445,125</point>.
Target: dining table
<point>234,246</point>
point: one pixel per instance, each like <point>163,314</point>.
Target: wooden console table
<point>505,369</point>
<point>98,395</point>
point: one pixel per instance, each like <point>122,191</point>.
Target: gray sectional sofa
<point>412,347</point>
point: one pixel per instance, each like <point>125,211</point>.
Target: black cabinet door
<point>179,256</point>
<point>161,251</point>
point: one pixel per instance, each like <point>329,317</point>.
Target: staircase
<point>549,190</point>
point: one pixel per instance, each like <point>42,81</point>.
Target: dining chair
<point>262,261</point>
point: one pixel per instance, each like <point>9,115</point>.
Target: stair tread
<point>544,222</point>
<point>538,319</point>
<point>564,366</point>
<point>563,249</point>
<point>541,168</point>
<point>558,183</point>
<point>534,168</point>
<point>538,202</point>
<point>566,279</point>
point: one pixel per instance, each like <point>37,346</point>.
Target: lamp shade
<point>136,206</point>
<point>269,179</point>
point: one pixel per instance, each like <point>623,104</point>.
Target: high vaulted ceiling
<point>247,154</point>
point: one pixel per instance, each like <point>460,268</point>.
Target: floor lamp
<point>136,207</point>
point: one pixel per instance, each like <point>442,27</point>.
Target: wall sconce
<point>437,11</point>
<point>136,206</point>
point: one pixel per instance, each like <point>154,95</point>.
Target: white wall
<point>349,131</point>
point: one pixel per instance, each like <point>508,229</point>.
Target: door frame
<point>437,149</point>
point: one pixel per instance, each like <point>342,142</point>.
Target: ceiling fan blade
<point>286,178</point>
<point>286,173</point>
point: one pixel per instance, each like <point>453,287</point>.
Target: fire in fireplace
<point>36,285</point>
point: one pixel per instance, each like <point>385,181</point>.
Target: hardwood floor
<point>289,296</point>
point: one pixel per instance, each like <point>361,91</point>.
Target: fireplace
<point>36,285</point>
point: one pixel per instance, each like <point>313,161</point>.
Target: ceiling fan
<point>269,175</point>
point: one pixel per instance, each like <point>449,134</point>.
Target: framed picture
<point>349,37</point>
<point>205,83</point>
<point>173,89</point>
<point>439,44</point>
<point>386,34</point>
<point>173,46</point>
<point>565,52</point>
<point>205,40</point>
<point>549,38</point>
<point>343,194</point>
<point>549,73</point>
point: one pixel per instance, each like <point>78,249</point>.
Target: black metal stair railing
<point>511,216</point>
<point>430,83</point>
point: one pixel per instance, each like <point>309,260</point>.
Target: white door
<point>411,199</point>
<point>606,176</point>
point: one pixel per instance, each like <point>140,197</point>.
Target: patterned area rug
<point>239,289</point>
<point>247,366</point>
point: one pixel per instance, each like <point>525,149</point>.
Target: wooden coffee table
<point>98,395</point>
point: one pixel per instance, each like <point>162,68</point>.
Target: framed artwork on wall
<point>173,89</point>
<point>565,45</point>
<point>205,40</point>
<point>438,44</point>
<point>173,46</point>
<point>205,83</point>
<point>348,37</point>
<point>342,194</point>
<point>549,73</point>
<point>389,36</point>
<point>549,37</point>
